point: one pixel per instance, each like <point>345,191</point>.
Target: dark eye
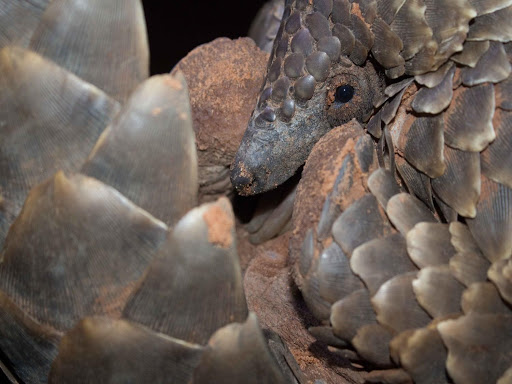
<point>344,93</point>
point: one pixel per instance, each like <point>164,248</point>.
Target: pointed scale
<point>437,291</point>
<point>396,305</point>
<point>86,241</point>
<point>50,121</point>
<point>492,225</point>
<point>492,26</point>
<point>500,274</point>
<point>18,20</point>
<point>459,186</point>
<point>335,279</point>
<point>405,211</point>
<point>496,159</point>
<point>387,46</point>
<point>30,346</point>
<point>379,260</point>
<point>417,183</point>
<point>383,185</point>
<point>180,279</point>
<point>422,354</point>
<point>72,34</point>
<point>428,244</point>
<point>478,347</point>
<point>449,21</point>
<point>148,152</point>
<point>436,99</point>
<point>487,6</point>
<point>466,127</point>
<point>362,221</point>
<point>483,297</point>
<point>387,9</point>
<point>104,350</point>
<point>421,140</point>
<point>493,67</point>
<point>238,354</point>
<point>372,344</point>
<point>410,26</point>
<point>352,312</point>
<point>471,53</point>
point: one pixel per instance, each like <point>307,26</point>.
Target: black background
<point>175,27</point>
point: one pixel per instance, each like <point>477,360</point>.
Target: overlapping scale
<point>417,183</point>
<point>422,142</point>
<point>351,313</point>
<point>467,187</point>
<point>496,159</point>
<point>410,25</point>
<point>148,152</point>
<point>493,66</point>
<point>396,306</point>
<point>428,244</point>
<point>486,6</point>
<point>488,346</point>
<point>237,353</point>
<point>423,355</point>
<point>51,120</point>
<point>19,19</point>
<point>491,227</point>
<point>437,291</point>
<point>378,260</point>
<point>105,350</point>
<point>72,233</point>
<point>179,281</point>
<point>459,186</point>
<point>483,297</point>
<point>492,26</point>
<point>468,128</point>
<point>436,99</point>
<point>405,211</point>
<point>89,244</point>
<point>434,78</point>
<point>73,35</point>
<point>471,53</point>
<point>500,274</point>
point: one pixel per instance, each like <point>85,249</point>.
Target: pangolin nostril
<point>241,179</point>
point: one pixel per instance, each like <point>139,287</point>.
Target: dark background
<point>175,27</point>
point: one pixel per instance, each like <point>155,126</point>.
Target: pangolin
<point>402,237</point>
<point>128,293</point>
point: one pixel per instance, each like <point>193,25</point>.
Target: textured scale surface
<point>109,270</point>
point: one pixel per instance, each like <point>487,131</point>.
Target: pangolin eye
<point>344,93</point>
<point>350,93</point>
